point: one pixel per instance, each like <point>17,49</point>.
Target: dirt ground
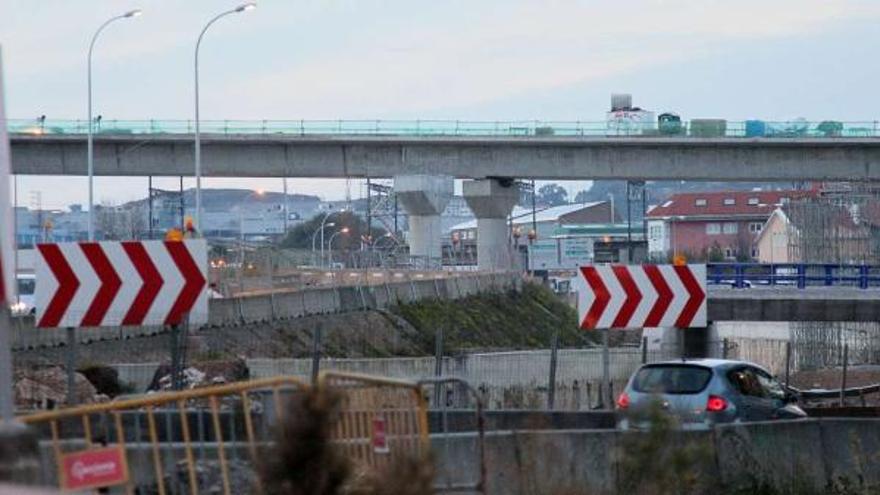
<point>830,379</point>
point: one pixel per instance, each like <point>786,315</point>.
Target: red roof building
<point>713,225</point>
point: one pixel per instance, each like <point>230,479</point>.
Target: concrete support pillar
<point>424,197</point>
<point>492,200</point>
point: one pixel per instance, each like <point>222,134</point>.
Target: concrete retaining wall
<point>810,456</point>
<point>281,305</point>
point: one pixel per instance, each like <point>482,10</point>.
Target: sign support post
<point>173,333</point>
<point>71,366</point>
<point>551,386</point>
<point>606,372</point>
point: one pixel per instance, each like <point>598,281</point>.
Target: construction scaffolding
<point>840,224</point>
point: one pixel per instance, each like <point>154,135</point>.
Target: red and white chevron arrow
<point>638,296</point>
<point>93,284</point>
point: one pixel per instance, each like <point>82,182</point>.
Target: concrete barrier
<point>256,308</point>
<point>289,305</point>
<point>424,289</point>
<point>850,449</point>
<point>465,420</point>
<point>809,456</point>
<point>781,454</point>
<point>467,286</point>
<point>350,299</point>
<point>368,297</point>
<point>265,307</point>
<point>321,301</point>
<point>224,312</point>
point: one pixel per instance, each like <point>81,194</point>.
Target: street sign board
<point>91,284</point>
<point>93,468</point>
<point>638,296</point>
<point>378,437</point>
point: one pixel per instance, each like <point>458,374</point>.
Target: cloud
<point>497,52</point>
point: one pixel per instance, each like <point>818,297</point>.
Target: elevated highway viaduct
<point>424,167</point>
<point>467,157</point>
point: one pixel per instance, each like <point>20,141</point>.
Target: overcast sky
<point>407,59</point>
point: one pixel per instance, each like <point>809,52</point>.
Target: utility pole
<point>286,207</point>
<point>181,203</point>
<point>629,240</point>
<point>150,206</point>
<point>369,218</point>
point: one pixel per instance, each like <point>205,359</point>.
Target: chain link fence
<point>544,376</point>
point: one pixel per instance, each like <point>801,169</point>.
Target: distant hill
<point>224,198</point>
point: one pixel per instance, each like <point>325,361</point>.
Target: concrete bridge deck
<point>539,157</point>
<point>793,304</point>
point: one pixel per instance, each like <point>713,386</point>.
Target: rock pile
<point>46,388</point>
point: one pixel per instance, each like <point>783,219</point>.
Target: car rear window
<point>672,379</point>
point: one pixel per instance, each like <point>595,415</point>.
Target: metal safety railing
<point>214,438</point>
<point>613,128</point>
<point>166,436</point>
<point>382,420</point>
<point>800,275</point>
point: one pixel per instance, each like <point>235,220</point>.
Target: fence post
<point>551,385</point>
<point>606,373</point>
<point>843,375</point>
<point>71,366</point>
<point>316,353</point>
<point>787,363</point>
<point>644,350</point>
<point>438,364</point>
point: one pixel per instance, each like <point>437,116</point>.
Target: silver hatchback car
<point>703,392</point>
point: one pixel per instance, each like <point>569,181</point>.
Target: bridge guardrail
<point>729,129</point>
<point>800,275</point>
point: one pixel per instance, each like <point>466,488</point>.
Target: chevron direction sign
<point>638,296</point>
<point>91,284</point>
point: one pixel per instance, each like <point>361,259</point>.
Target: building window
<point>656,231</point>
<point>713,228</point>
<point>729,201</point>
<point>753,201</point>
<point>728,253</point>
<point>730,228</point>
<point>700,202</point>
<point>756,227</point>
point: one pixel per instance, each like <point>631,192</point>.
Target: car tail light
<point>622,401</point>
<point>716,404</point>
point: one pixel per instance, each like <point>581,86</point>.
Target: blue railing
<point>800,275</point>
<point>523,128</point>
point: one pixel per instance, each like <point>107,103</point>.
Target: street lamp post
<point>343,230</point>
<point>90,144</point>
<point>198,143</point>
<point>315,236</point>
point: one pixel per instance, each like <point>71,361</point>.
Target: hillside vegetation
<point>512,320</point>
